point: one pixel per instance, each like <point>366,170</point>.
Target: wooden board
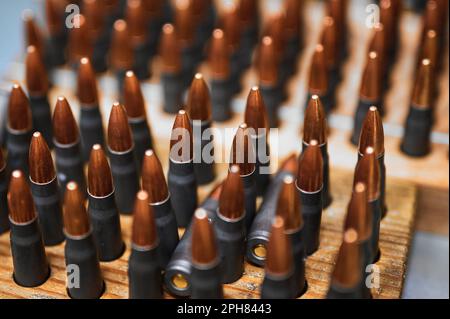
<point>395,240</point>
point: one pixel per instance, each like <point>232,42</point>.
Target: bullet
<point>248,11</point>
<point>80,250</point>
<point>171,73</point>
<point>95,14</point>
<point>205,13</point>
<point>79,44</point>
<point>416,140</point>
<point>122,158</point>
<point>390,11</point>
<point>346,277</point>
<point>372,135</point>
<point>338,10</point>
<point>134,104</point>
<point>4,223</point>
<point>269,81</point>
<point>121,52</point>
<point>138,33</point>
<point>256,119</point>
<point>329,41</point>
<point>258,236</point>
<point>370,94</point>
<point>230,227</point>
<point>219,64</point>
<point>91,124</point>
<point>177,277</point>
<point>359,218</point>
<point>66,138</point>
<point>310,187</point>
<point>243,155</point>
<point>144,272</point>
<point>318,83</point>
<point>18,130</point>
<point>31,268</point>
<point>37,85</point>
<point>206,272</point>
<point>378,44</point>
<point>154,11</point>
<point>288,207</point>
<point>368,172</point>
<point>154,183</point>
<point>45,190</point>
<point>181,179</point>
<point>315,128</point>
<point>293,9</point>
<point>278,280</point>
<point>430,50</point>
<point>56,19</point>
<point>199,108</point>
<point>34,37</point>
<point>276,29</point>
<point>435,18</point>
<point>102,207</point>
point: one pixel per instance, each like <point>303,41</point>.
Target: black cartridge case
<point>183,190</point>
<point>221,97</point>
<point>142,138</point>
<point>231,239</point>
<point>69,165</point>
<point>206,281</point>
<point>172,84</point>
<point>4,222</point>
<point>30,263</point>
<point>416,140</point>
<point>179,266</point>
<point>144,273</point>
<point>81,252</point>
<point>48,205</point>
<point>42,118</point>
<point>166,225</point>
<point>273,97</point>
<point>299,256</point>
<point>377,214</point>
<point>17,144</point>
<point>262,175</point>
<point>91,129</point>
<point>99,54</point>
<point>278,287</point>
<point>338,292</point>
<point>141,61</point>
<point>259,233</point>
<point>360,115</point>
<point>236,72</point>
<point>204,171</point>
<point>105,222</point>
<point>189,61</point>
<point>126,180</point>
<point>250,198</point>
<point>311,204</point>
<point>56,45</point>
<point>326,193</point>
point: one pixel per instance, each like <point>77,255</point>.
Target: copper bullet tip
<point>231,203</point>
<point>35,73</point>
<point>119,132</point>
<point>318,74</point>
<point>100,182</point>
<point>65,129</point>
<point>347,271</point>
<point>181,143</point>
<point>33,34</point>
<point>219,57</point>
<point>359,215</point>
<point>19,111</point>
<point>372,133</point>
<point>371,81</point>
<point>133,98</point>
<point>75,217</point>
<point>310,171</point>
<point>248,10</point>
<point>20,201</point>
<point>137,22</point>
<point>279,251</point>
<point>184,22</point>
<point>80,44</point>
<point>169,50</point>
<point>144,226</point>
<point>329,40</point>
<point>368,172</point>
<point>54,16</point>
<point>40,160</point>
<point>315,123</point>
<point>230,24</point>
<point>242,151</point>
<point>87,84</point>
<point>290,164</point>
<point>430,47</point>
<point>267,62</point>
<point>293,10</point>
<point>153,180</point>
<point>288,205</point>
<point>199,100</point>
<point>423,89</point>
<point>121,50</point>
<point>204,245</point>
<point>255,111</point>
